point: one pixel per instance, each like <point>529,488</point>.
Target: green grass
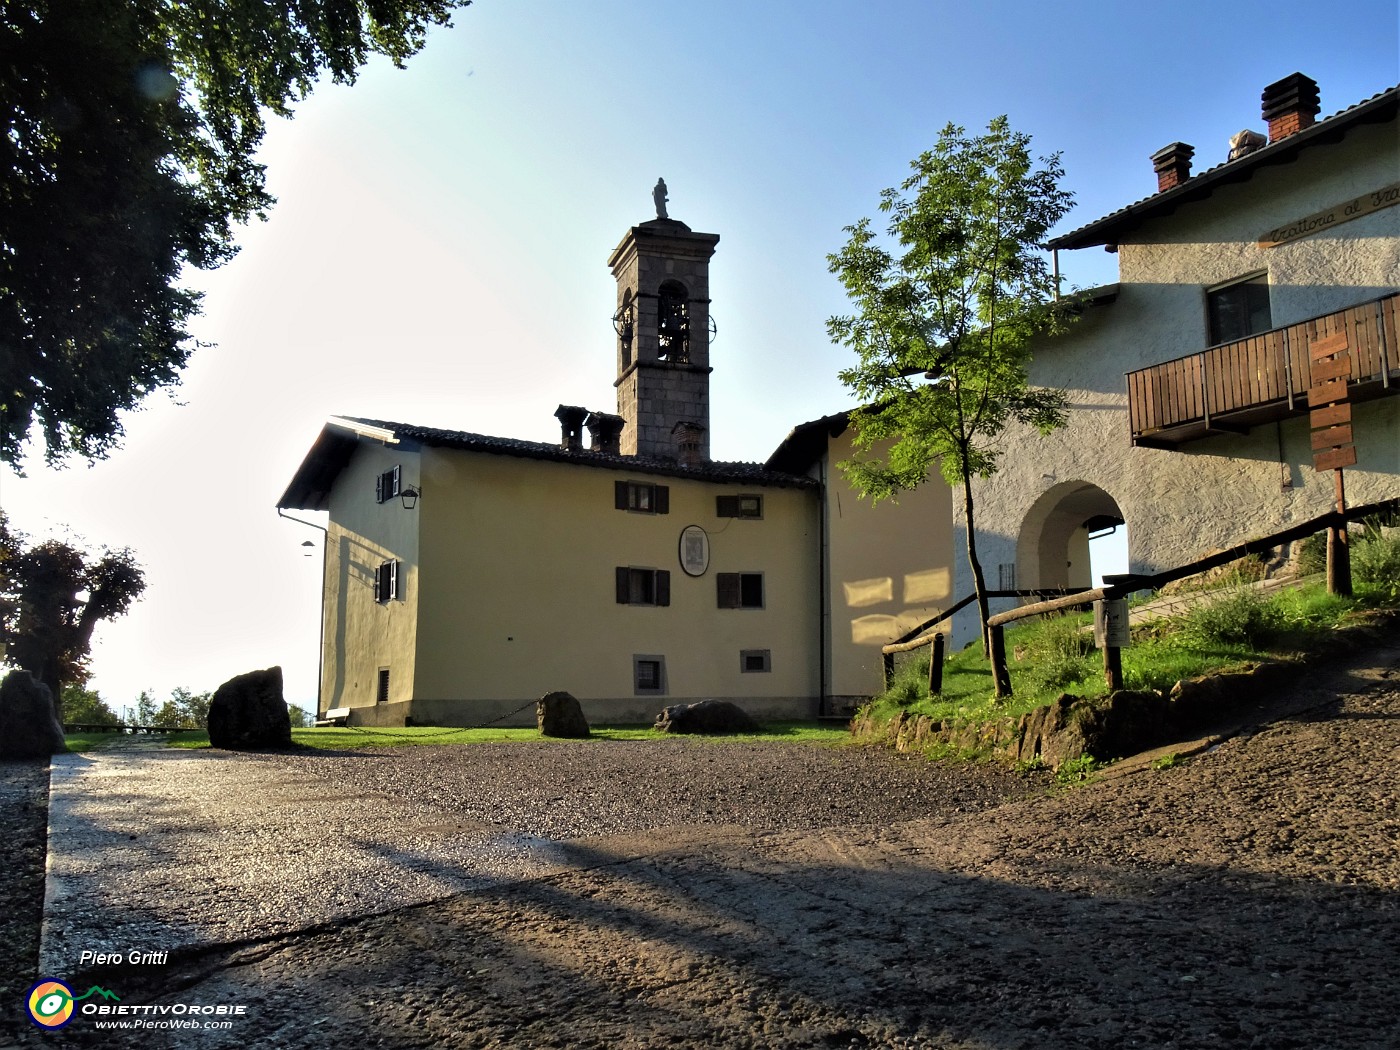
<point>101,741</point>
<point>1053,655</point>
<point>344,738</point>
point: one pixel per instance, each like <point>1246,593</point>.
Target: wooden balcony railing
<point>1231,387</point>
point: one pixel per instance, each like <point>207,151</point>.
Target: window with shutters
<point>739,590</point>
<point>742,506</point>
<point>648,674</point>
<point>641,496</point>
<point>386,582</point>
<point>386,485</point>
<point>1239,309</point>
<point>381,687</point>
<point>642,586</point>
<point>755,661</point>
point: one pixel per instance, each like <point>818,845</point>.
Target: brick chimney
<point>1290,105</point>
<point>571,421</point>
<point>1172,165</point>
<point>605,432</point>
<point>690,443</point>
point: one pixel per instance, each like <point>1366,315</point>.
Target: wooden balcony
<point>1232,387</point>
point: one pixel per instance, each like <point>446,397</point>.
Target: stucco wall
<point>517,591</point>
<point>1218,491</point>
<point>362,635</point>
<point>889,570</point>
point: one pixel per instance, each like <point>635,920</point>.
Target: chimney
<point>605,432</point>
<point>1245,142</point>
<point>571,421</point>
<point>1290,105</point>
<point>1172,165</point>
<point>690,441</point>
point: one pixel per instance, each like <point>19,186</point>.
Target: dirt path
<point>1248,898</point>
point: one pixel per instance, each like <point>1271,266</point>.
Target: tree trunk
<point>979,584</point>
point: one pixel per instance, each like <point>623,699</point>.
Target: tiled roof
<point>1377,108</point>
<point>310,487</point>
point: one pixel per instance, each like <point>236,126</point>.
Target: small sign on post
<point>1111,623</point>
<point>1111,635</point>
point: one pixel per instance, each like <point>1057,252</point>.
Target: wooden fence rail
<point>1121,586</point>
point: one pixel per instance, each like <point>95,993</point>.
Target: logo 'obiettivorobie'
<point>51,1002</point>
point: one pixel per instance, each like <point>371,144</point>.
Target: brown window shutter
<point>662,504</point>
<point>727,589</point>
<point>663,587</point>
<point>620,495</point>
<point>726,506</point>
<point>623,591</point>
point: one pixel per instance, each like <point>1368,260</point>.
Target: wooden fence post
<point>1113,667</point>
<point>935,666</point>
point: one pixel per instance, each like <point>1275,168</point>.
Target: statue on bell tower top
<point>658,194</point>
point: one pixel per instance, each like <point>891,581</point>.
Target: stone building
<point>1189,379</point>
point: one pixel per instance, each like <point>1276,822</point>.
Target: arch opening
<point>1072,535</point>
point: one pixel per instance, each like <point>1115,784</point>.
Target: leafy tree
<point>299,716</point>
<point>146,709</point>
<point>52,597</point>
<point>131,132</point>
<point>944,317</point>
<point>85,706</point>
<point>184,710</point>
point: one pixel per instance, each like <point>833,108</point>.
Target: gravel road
<point>1246,897</point>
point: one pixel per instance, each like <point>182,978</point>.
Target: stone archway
<point>1052,549</point>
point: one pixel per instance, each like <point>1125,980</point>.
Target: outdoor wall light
<point>409,496</point>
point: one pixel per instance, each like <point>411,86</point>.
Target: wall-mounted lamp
<point>309,547</point>
<point>409,496</point>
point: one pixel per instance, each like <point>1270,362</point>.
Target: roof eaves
<point>1202,185</point>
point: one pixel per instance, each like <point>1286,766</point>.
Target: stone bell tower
<point>663,338</point>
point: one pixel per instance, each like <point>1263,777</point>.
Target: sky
<point>438,251</point>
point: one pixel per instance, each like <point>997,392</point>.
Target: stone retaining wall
<point>1107,727</point>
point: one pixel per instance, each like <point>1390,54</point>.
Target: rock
<point>559,714</point>
<point>706,716</point>
<point>29,725</point>
<point>248,713</point>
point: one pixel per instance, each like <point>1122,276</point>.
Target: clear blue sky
<point>438,252</point>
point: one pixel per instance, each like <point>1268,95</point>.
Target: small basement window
<point>755,661</point>
<point>1238,310</point>
<point>742,506</point>
<point>386,485</point>
<point>739,590</point>
<point>642,497</point>
<point>381,688</point>
<point>386,582</point>
<point>642,586</point>
<point>648,675</point>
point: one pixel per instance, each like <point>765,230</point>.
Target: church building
<point>467,575</point>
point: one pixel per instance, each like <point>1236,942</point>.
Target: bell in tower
<point>662,270</point>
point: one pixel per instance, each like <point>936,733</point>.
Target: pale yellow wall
<point>890,569</point>
<point>517,595</point>
<point>362,635</point>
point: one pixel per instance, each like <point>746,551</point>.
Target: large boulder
<point>29,725</point>
<point>559,714</point>
<point>248,713</point>
<point>706,716</point>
